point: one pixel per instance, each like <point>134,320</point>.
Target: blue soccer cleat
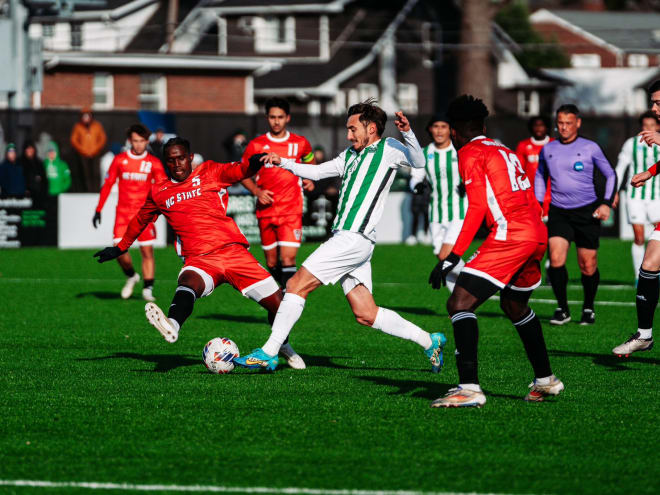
<point>257,359</point>
<point>434,353</point>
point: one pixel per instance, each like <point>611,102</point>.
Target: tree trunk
<point>475,73</point>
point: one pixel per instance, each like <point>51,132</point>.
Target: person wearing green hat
<point>12,181</point>
<point>57,171</point>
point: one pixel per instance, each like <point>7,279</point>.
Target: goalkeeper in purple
<point>576,209</point>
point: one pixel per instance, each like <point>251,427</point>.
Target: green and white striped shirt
<point>441,168</point>
<point>366,180</point>
<point>636,157</point>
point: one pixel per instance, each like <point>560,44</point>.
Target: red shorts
<point>283,230</point>
<point>146,238</point>
<point>234,265</point>
<point>507,263</point>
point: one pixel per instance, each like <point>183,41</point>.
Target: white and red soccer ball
<point>219,354</point>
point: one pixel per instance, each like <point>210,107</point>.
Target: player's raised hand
<point>401,122</point>
<point>97,219</point>
<point>107,254</point>
<point>650,137</point>
<point>264,196</point>
<point>273,158</point>
<point>639,179</point>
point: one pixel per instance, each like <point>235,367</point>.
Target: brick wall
<point>67,89</point>
<point>210,93</point>
<point>574,43</point>
<point>127,90</point>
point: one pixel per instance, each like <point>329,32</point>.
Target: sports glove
<point>97,219</point>
<point>109,253</point>
<point>438,276</point>
<point>460,189</point>
<point>255,161</point>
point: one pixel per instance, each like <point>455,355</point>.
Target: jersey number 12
<point>519,181</point>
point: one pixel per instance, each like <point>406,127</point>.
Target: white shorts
<point>445,233</point>
<point>643,211</point>
<point>345,257</point>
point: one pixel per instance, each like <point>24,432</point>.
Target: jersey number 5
<point>519,181</point>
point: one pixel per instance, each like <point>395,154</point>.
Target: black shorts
<point>576,225</point>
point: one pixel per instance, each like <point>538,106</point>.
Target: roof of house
<point>627,31</point>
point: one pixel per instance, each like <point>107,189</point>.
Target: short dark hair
<point>648,115</point>
<point>568,108</point>
<point>369,112</point>
<point>138,129</point>
<point>176,141</point>
<point>533,120</point>
<point>655,86</point>
<point>277,103</point>
<point>467,114</point>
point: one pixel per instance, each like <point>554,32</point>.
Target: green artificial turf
<point>91,392</point>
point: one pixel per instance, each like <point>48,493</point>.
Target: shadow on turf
<point>99,295</point>
<point>413,310</point>
<point>236,318</point>
<point>614,363</point>
<point>163,362</point>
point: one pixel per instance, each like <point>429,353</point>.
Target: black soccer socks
<point>148,283</point>
<point>276,272</point>
<point>559,281</point>
<point>129,272</point>
<point>286,273</point>
<point>531,334</point>
<point>647,297</point>
<point>182,304</point>
<point>590,286</point>
<point>466,337</point>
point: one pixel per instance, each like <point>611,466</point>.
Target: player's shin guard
<point>466,336</point>
<point>531,334</point>
<point>648,290</point>
<point>590,287</point>
<point>288,313</point>
<point>182,304</point>
<point>286,272</point>
<point>559,281</point>
<point>391,323</point>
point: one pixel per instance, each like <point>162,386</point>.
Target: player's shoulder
<point>297,138</point>
<point>259,140</point>
<point>552,145</point>
<point>395,144</point>
<point>152,158</point>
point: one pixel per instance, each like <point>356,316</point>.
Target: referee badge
<point>578,166</point>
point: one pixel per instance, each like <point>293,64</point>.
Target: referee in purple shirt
<point>576,210</point>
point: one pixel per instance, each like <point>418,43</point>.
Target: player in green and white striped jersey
<point>642,203</point>
<point>367,169</point>
<point>448,203</point>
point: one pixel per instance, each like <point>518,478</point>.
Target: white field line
<point>93,485</point>
<point>542,287</point>
<point>597,303</point>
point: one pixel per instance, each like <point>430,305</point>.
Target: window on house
<point>153,92</point>
<point>528,103</point>
<point>48,30</point>
<point>103,91</point>
<point>585,60</point>
<point>76,36</point>
<point>638,60</point>
<point>407,95</point>
<point>274,34</point>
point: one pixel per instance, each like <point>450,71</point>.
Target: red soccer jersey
<point>196,209</point>
<point>498,189</point>
<point>286,187</point>
<point>136,173</point>
<point>528,152</point>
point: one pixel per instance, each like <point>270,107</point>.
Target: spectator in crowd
<point>88,139</point>
<point>12,180</point>
<point>235,145</point>
<point>57,171</point>
<point>156,143</point>
<point>419,208</point>
<point>33,171</point>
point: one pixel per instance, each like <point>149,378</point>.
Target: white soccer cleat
<point>158,319</point>
<point>148,294</point>
<point>539,392</point>
<point>633,344</point>
<point>292,357</point>
<point>460,397</point>
<point>127,289</point>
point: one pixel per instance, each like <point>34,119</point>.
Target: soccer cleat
<point>292,357</point>
<point>257,359</point>
<point>162,323</point>
<point>539,392</point>
<point>434,353</point>
<point>148,294</point>
<point>633,344</point>
<point>560,317</point>
<point>588,317</point>
<point>460,397</point>
<point>127,289</point>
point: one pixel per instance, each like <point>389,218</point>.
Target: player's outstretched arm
<point>107,254</point>
<point>414,152</point>
<point>333,168</point>
<point>639,179</point>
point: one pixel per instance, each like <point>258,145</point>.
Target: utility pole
<point>475,73</point>
<point>170,27</point>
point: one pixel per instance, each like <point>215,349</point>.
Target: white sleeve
<point>332,168</point>
<point>417,176</point>
<point>624,160</point>
<point>414,151</point>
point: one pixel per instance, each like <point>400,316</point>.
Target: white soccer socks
<point>637,252</point>
<point>287,315</point>
<point>391,323</point>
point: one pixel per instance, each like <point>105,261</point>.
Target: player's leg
<point>288,263</point>
<point>638,213</point>
<point>637,248</point>
<point>269,245</point>
<point>588,263</point>
<point>125,261</point>
<point>451,234</point>
<point>558,275</point>
<point>148,271</point>
<point>648,291</point>
<point>289,235</point>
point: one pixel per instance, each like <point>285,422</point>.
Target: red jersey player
<point>528,151</point>
<point>135,170</point>
<point>279,193</point>
<point>194,202</point>
<point>498,191</point>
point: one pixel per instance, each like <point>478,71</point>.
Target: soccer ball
<point>219,354</point>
